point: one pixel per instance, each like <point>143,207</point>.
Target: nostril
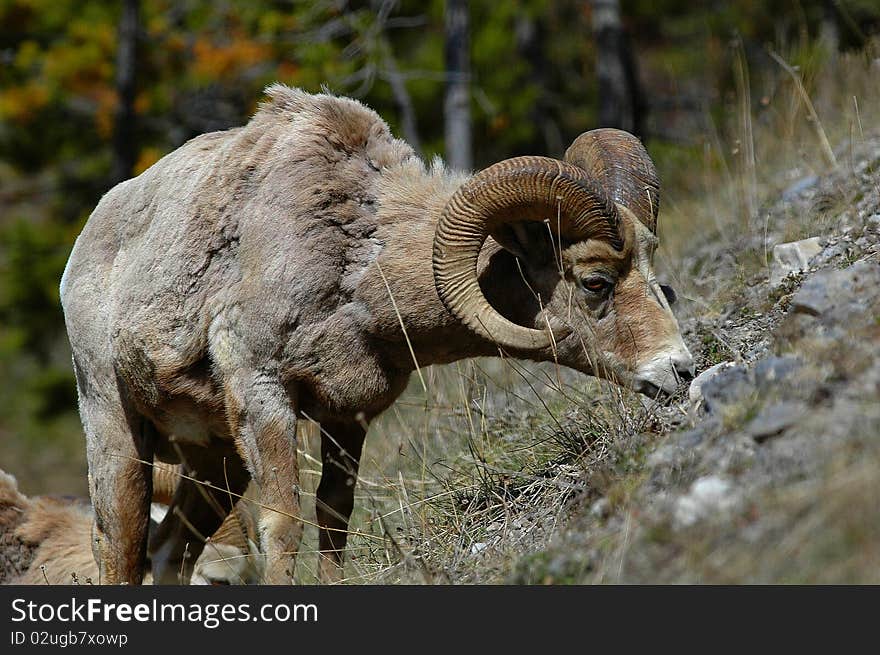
<point>685,374</point>
<point>684,369</point>
<point>669,292</point>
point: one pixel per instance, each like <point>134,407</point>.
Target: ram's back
<point>274,222</point>
<point>302,164</point>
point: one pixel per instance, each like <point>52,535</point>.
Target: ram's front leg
<point>263,420</point>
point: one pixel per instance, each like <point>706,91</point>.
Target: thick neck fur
<point>410,202</point>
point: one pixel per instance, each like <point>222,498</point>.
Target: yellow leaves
<point>27,56</point>
<point>106,101</point>
<point>157,25</point>
<point>221,60</point>
<point>499,123</point>
<point>288,72</point>
<point>175,43</point>
<point>20,103</point>
<point>78,65</point>
<point>102,35</point>
<point>84,59</point>
<point>273,22</point>
<point>147,157</point>
<point>142,102</point>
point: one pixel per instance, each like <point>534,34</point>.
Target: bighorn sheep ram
<point>304,265</point>
<point>48,539</point>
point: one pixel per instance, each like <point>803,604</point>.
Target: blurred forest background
<point>94,92</point>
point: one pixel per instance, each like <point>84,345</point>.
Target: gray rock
<point>792,257</point>
<point>478,547</point>
<point>828,253</point>
<point>710,494</point>
<point>690,439</point>
<point>682,447</point>
<point>796,189</point>
<point>774,419</point>
<point>728,387</point>
<point>775,369</point>
<point>601,509</point>
<point>695,391</point>
<point>836,293</point>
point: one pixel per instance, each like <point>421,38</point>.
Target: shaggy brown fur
<point>44,540</point>
<point>47,540</point>
<point>240,283</point>
<point>16,555</point>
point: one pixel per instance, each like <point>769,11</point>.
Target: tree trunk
<point>829,32</point>
<point>620,98</point>
<point>531,38</point>
<point>456,106</point>
<point>403,102</point>
<point>124,147</point>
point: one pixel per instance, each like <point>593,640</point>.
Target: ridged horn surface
<point>620,163</point>
<point>165,481</point>
<point>574,205</point>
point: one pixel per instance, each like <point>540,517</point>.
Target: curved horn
<point>623,167</point>
<point>165,480</point>
<point>523,188</point>
<point>232,532</point>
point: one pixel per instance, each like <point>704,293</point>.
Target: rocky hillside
<point>766,470</point>
<point>770,470</point>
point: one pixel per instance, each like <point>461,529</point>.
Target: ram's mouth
<point>652,390</point>
<point>664,373</point>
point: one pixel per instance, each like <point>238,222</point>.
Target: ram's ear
<point>528,241</point>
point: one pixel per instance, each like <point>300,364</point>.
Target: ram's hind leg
<point>196,511</point>
<point>119,450</point>
<point>263,419</point>
<point>341,445</point>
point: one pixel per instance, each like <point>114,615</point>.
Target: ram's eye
<point>596,286</point>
